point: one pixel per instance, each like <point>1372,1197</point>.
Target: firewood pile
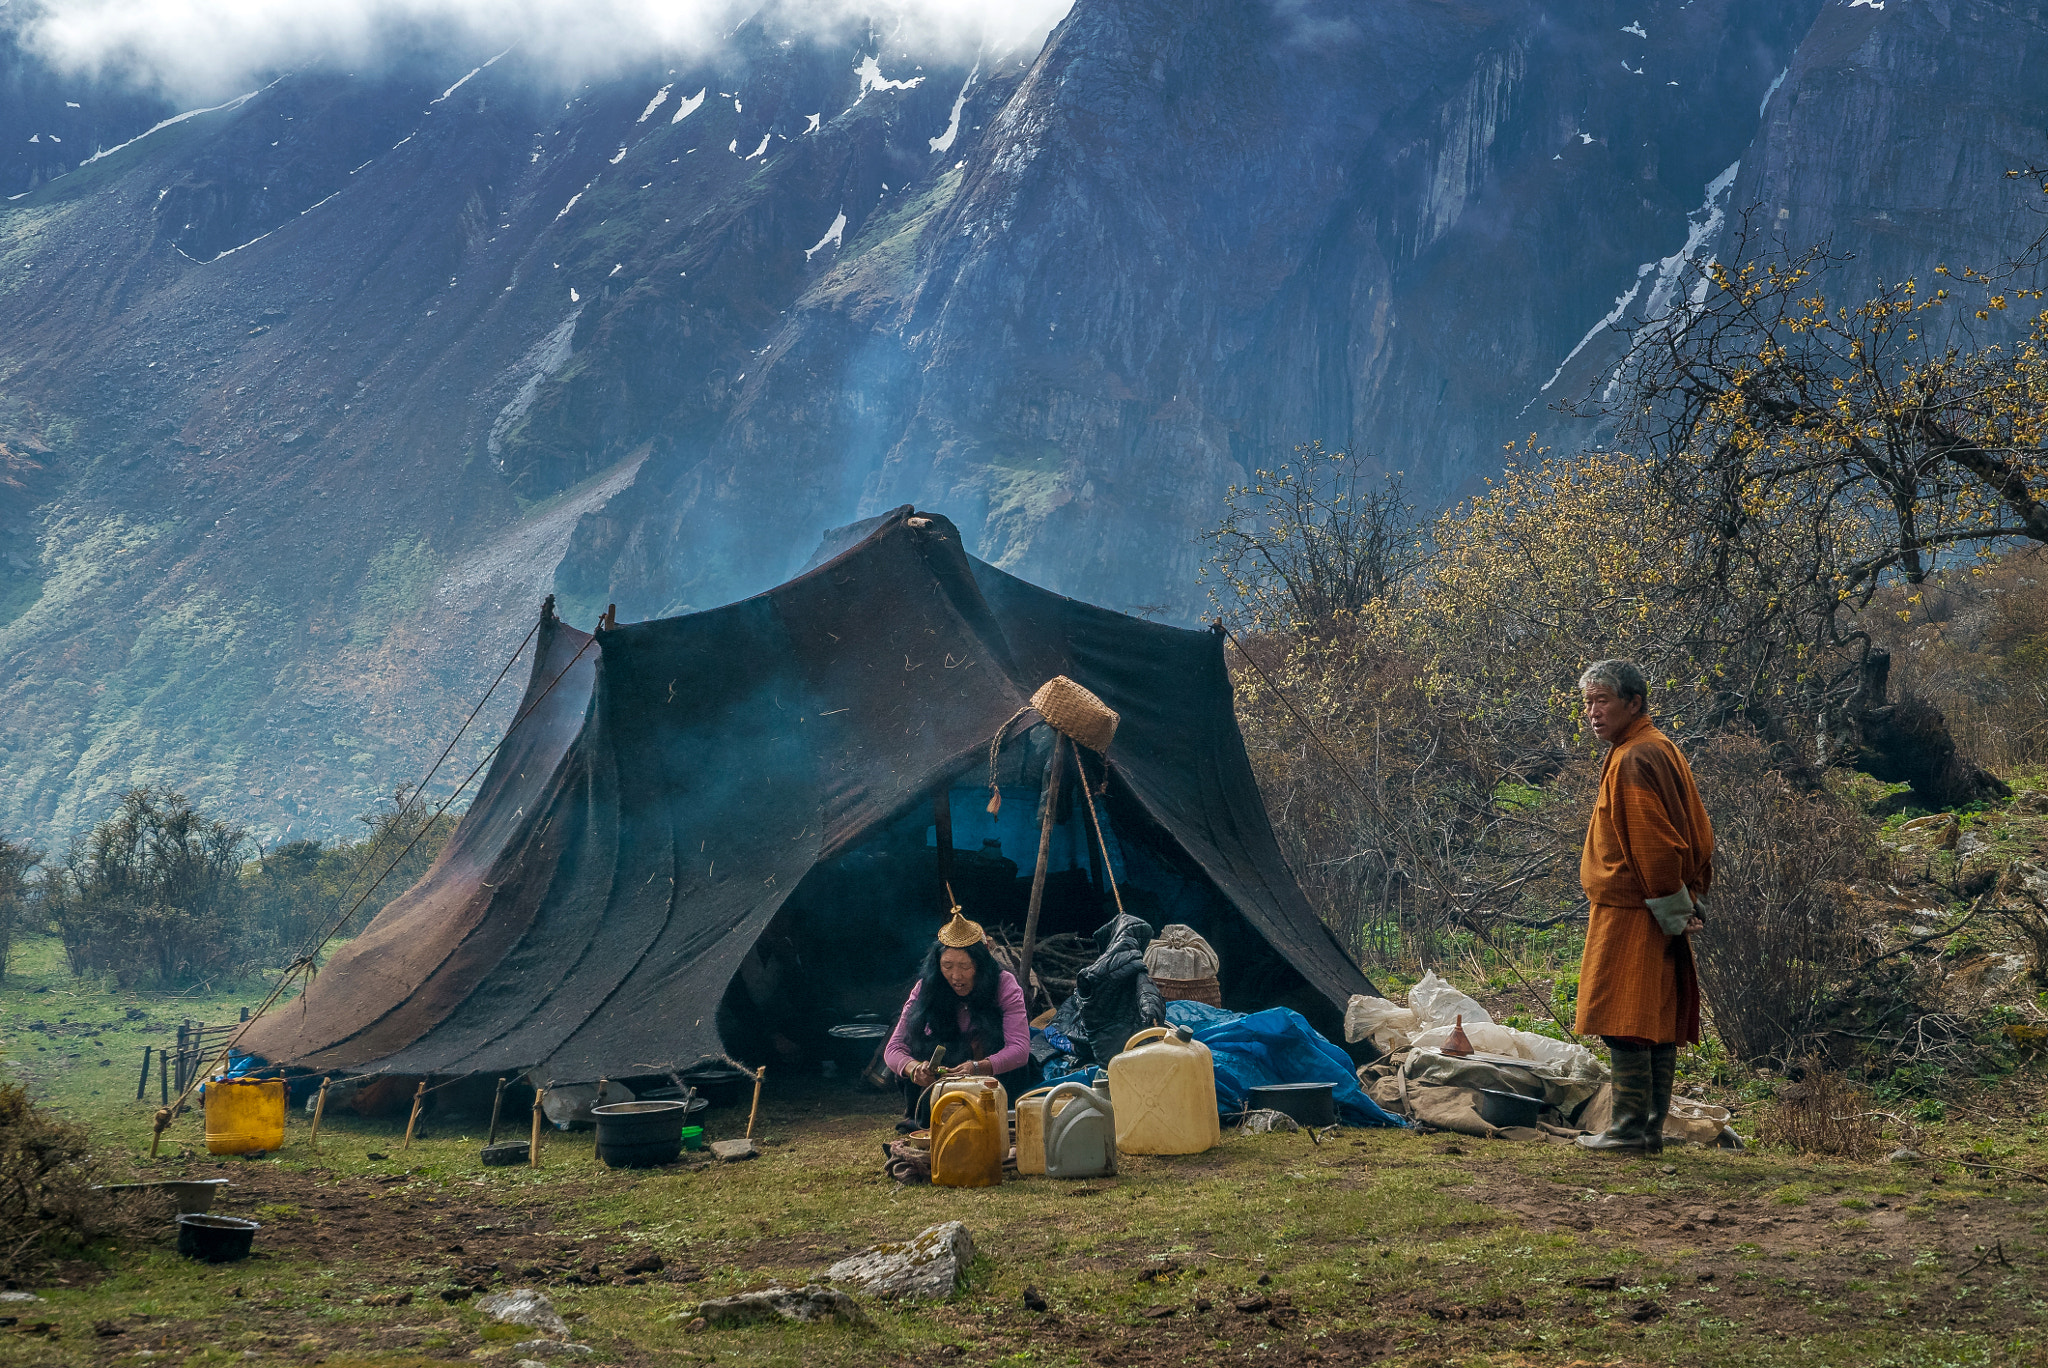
<point>1055,960</point>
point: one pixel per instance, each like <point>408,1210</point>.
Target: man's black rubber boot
<point>1629,1126</point>
<point>1663,1070</point>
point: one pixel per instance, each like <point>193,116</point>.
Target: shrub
<point>153,894</point>
<point>47,1206</point>
<point>1775,944</point>
<point>1822,1113</point>
<point>17,861</point>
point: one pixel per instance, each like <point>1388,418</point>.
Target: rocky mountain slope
<point>308,394</point>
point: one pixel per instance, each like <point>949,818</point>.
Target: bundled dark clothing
<point>1118,998</point>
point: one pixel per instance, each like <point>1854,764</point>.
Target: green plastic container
<point>693,1137</point>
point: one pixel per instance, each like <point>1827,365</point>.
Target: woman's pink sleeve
<point>897,1053</point>
<point>1016,1051</point>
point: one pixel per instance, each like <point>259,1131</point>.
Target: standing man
<point>1648,859</point>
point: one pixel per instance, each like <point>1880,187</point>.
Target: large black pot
<point>720,1085</point>
<point>215,1239</point>
<point>1311,1104</point>
<point>639,1134</point>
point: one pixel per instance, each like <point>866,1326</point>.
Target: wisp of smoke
<point>198,48</point>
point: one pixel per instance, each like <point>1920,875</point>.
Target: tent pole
<point>319,1109</point>
<point>533,1145</point>
<point>419,1096</point>
<point>1055,774</point>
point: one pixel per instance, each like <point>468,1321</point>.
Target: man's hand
<point>922,1073</point>
<point>1694,924</point>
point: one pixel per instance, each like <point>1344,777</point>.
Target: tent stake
<point>1055,773</point>
<point>497,1102</point>
<point>419,1096</point>
<point>755,1110</point>
<point>319,1108</point>
<point>533,1146</point>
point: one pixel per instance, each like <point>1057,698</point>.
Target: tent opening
<point>847,944</point>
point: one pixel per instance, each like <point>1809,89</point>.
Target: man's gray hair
<point>1620,677</point>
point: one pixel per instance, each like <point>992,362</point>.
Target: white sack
<point>1179,952</point>
<point>1387,1024</point>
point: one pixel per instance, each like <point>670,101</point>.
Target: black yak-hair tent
<point>717,834</point>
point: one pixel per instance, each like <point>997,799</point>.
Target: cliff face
<point>308,398</point>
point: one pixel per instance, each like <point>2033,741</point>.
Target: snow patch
<point>944,142</point>
<point>1874,4</point>
<point>660,99</point>
<point>1637,29</point>
<point>688,107</point>
<point>71,104</point>
<point>1772,91</point>
<point>871,78</point>
<point>762,149</point>
<point>574,298</point>
<point>812,126</point>
<point>835,235</point>
<point>1613,316</point>
<point>570,205</point>
<point>618,156</point>
<point>235,103</point>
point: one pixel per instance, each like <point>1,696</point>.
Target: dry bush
<point>48,1209</point>
<point>1775,945</point>
<point>1822,1113</point>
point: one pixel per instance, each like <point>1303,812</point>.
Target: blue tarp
<point>1276,1045</point>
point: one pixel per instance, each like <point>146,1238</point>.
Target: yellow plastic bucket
<point>245,1115</point>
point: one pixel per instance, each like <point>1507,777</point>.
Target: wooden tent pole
<point>755,1110</point>
<point>533,1145</point>
<point>419,1097</point>
<point>319,1109</point>
<point>497,1103</point>
<point>1055,774</point>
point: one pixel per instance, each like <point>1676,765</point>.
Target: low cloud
<point>198,48</point>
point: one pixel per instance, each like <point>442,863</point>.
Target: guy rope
<point>307,961</point>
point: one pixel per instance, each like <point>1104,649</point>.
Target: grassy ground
<point>1372,1247</point>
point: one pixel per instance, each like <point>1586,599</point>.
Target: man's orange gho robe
<point>1649,839</point>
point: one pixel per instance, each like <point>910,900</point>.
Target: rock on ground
<point>547,1348</point>
<point>930,1266</point>
<point>810,1303</point>
<point>730,1151</point>
<point>524,1306</point>
<point>1265,1120</point>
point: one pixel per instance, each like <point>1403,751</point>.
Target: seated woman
<point>968,1003</point>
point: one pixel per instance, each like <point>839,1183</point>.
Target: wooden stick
<point>142,1084</point>
<point>1055,772</point>
<point>497,1101</point>
<point>319,1108</point>
<point>755,1110</point>
<point>419,1096</point>
<point>533,1146</point>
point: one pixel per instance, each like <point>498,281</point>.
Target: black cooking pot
<point>215,1239</point>
<point>639,1134</point>
<point>854,1043</point>
<point>721,1086</point>
<point>1499,1108</point>
<point>1310,1104</point>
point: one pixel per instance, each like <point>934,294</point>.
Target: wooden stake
<point>533,1146</point>
<point>142,1084</point>
<point>1055,773</point>
<point>755,1110</point>
<point>419,1096</point>
<point>319,1109</point>
<point>497,1102</point>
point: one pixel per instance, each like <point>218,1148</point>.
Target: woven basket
<point>1075,712</point>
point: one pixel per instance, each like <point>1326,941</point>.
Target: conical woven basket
<point>1074,711</point>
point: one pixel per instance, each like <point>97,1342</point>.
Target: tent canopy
<point>670,785</point>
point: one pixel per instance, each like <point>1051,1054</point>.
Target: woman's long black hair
<point>938,1006</point>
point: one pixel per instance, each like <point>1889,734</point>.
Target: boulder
<point>524,1306</point>
<point>810,1303</point>
<point>930,1266</point>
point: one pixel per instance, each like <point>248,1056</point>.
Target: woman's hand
<point>969,1069</point>
<point>922,1074</point>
